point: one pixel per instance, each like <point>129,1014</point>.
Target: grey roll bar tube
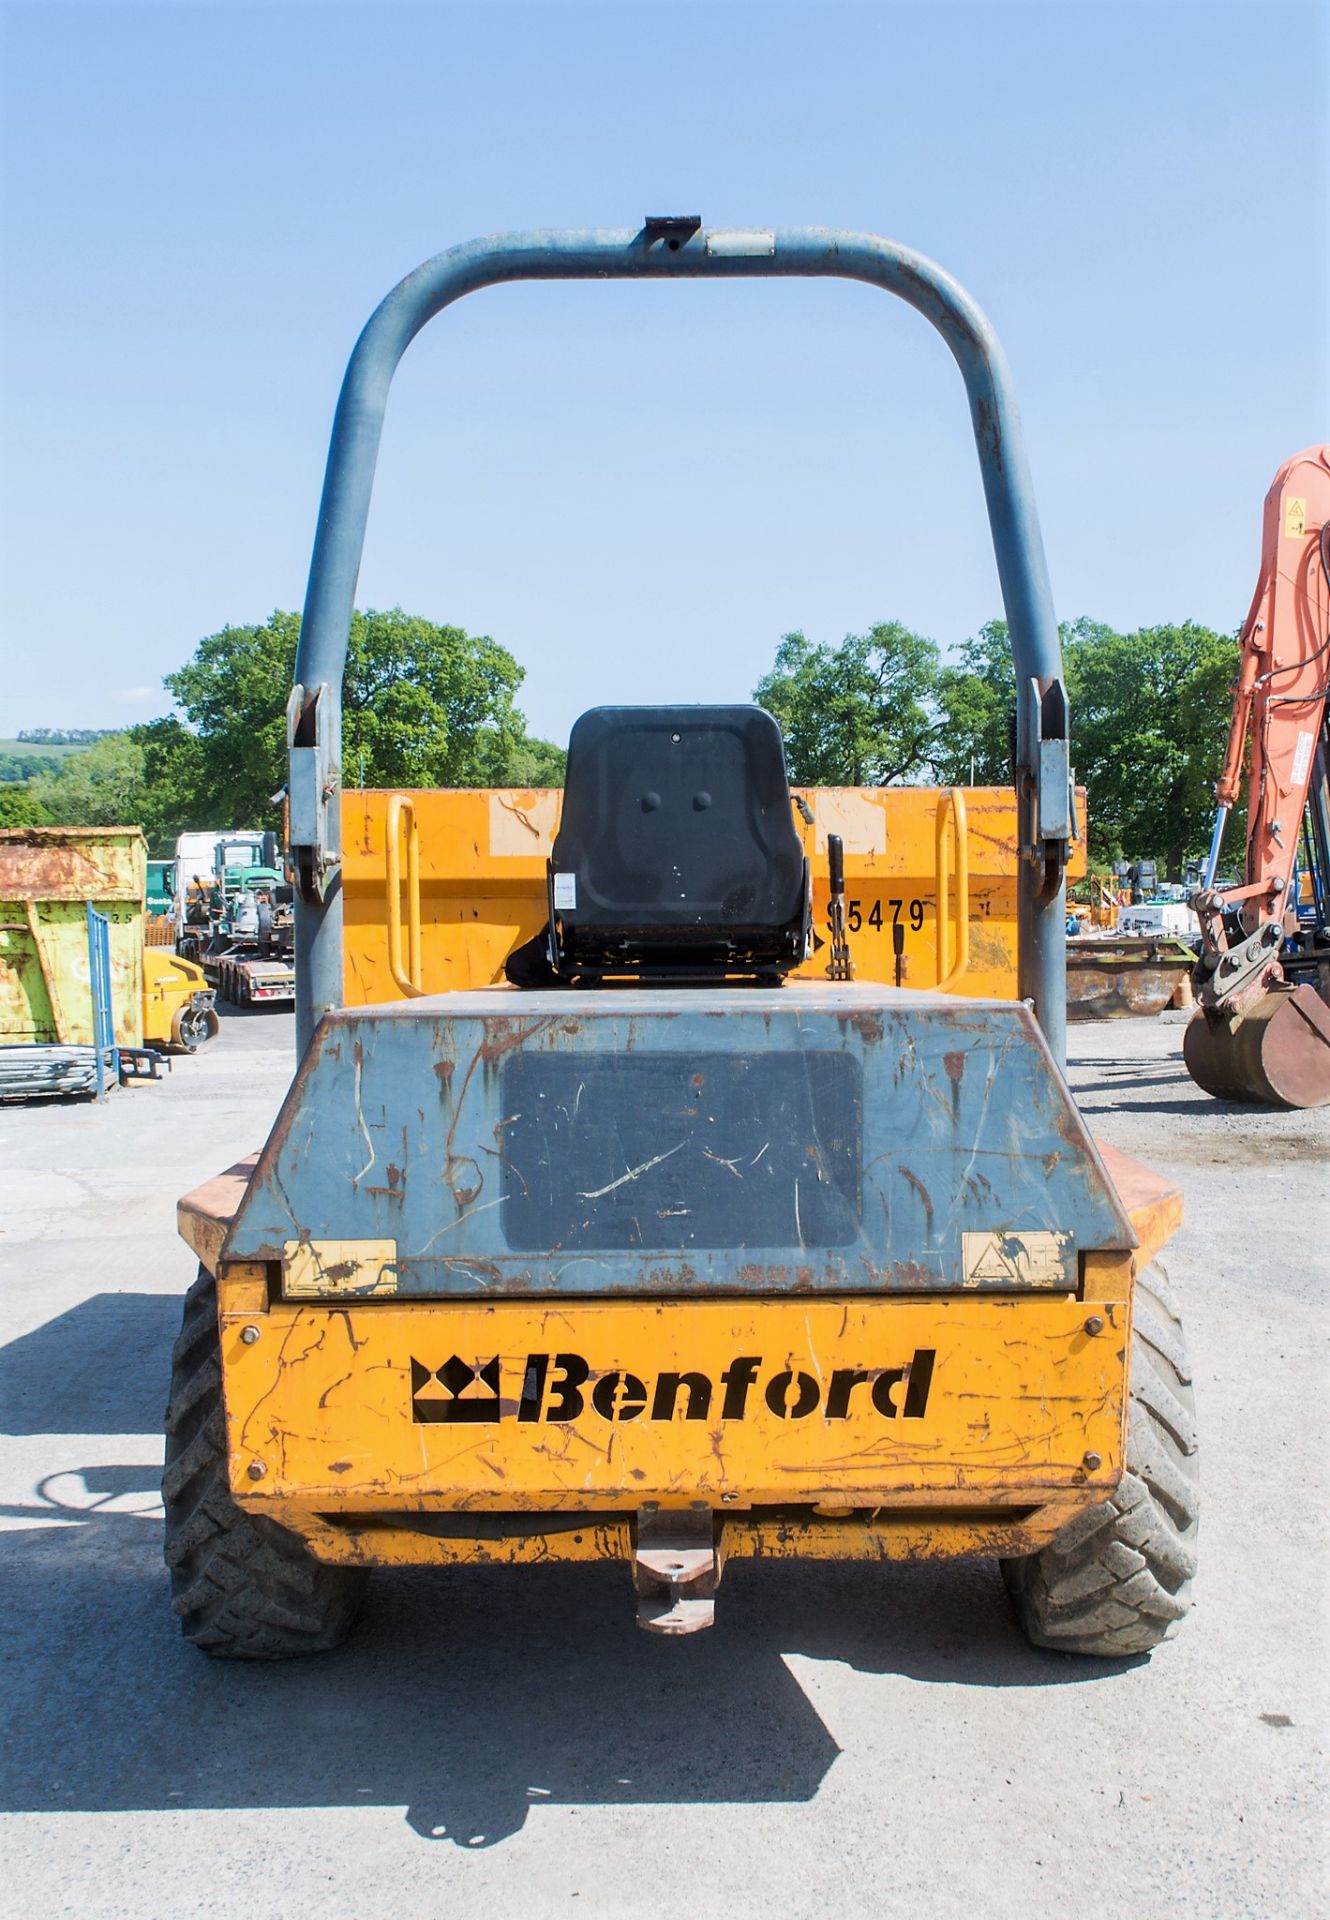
<point>667,249</point>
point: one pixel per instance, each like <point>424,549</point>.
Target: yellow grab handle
<point>951,813</point>
<point>408,978</point>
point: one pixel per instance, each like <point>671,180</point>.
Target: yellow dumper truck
<point>676,1244</point>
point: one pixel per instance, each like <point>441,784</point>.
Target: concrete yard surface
<point>847,1740</point>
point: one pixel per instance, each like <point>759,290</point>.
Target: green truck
<point>161,887</point>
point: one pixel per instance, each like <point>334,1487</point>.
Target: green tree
<point>145,776</point>
<point>173,799</point>
<point>858,715</point>
<point>977,695</point>
<point>1149,719</point>
<point>536,763</point>
<point>102,787</point>
<point>1150,714</point>
<point>19,807</point>
<point>18,765</point>
<point>423,706</point>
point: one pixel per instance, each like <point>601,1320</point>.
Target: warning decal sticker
<point>1034,1259</point>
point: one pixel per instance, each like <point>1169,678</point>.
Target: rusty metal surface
<point>945,1119</point>
<point>1277,1053</point>
<point>581,1406</point>
<point>1115,979</point>
<point>73,863</point>
<point>771,1533</point>
<point>48,876</point>
<point>676,1568</point>
<point>204,1216</point>
<point>484,889</point>
<point>1154,1204</point>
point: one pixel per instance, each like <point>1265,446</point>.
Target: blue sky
<point>638,489</point>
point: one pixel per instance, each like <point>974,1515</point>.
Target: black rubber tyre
<point>1118,1580</point>
<point>244,1588</point>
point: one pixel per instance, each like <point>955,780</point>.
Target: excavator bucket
<point>1278,1052</point>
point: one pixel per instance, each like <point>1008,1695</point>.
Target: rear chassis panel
<point>1021,1423</point>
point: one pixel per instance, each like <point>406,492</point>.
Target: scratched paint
<point>483,856</point>
<point>778,1533</point>
<point>848,1402</point>
<point>658,1149</point>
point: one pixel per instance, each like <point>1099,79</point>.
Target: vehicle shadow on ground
<point>1088,1077</point>
<point>465,1696</point>
<point>103,1367</point>
<point>1204,1109</point>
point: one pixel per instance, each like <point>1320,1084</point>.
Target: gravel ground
<point>846,1739</point>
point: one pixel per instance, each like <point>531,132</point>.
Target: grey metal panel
<point>396,1130</point>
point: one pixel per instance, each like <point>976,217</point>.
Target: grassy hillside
<point>21,759</point>
<point>41,749</point>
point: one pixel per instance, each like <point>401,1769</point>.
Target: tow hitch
<point>676,1568</point>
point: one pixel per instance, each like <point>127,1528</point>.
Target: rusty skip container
<point>48,875</point>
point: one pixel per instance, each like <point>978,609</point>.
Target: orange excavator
<point>1261,1030</point>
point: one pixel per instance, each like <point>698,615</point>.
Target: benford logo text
<point>562,1386</point>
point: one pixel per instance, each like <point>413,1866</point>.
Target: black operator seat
<point>677,855</point>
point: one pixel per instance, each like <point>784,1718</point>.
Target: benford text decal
<point>561,1386</point>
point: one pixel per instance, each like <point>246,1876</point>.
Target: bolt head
<point>256,1469</point>
<point>1095,1324</point>
<point>1092,1461</point>
<point>249,1335</point>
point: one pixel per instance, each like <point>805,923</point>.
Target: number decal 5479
<point>855,918</point>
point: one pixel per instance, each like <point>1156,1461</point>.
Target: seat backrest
<point>677,822</point>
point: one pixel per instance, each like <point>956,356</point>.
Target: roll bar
<point>668,248</point>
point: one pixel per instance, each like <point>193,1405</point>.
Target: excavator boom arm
<point>1289,691</point>
<point>1279,707</point>
<point>1256,1035</point>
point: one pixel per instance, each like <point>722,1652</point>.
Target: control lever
<point>838,966</point>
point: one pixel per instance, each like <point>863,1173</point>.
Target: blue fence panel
<point>99,982</point>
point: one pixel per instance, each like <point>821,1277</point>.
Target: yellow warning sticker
<point>1295,518</point>
<point>339,1269</point>
<point>1034,1259</point>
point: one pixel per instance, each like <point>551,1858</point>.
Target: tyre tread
<point>1117,1579</point>
<point>243,1587</point>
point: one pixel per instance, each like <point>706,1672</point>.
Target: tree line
<point>423,706</point>
<point>62,736</point>
<point>1150,715</point>
<point>427,705</point>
